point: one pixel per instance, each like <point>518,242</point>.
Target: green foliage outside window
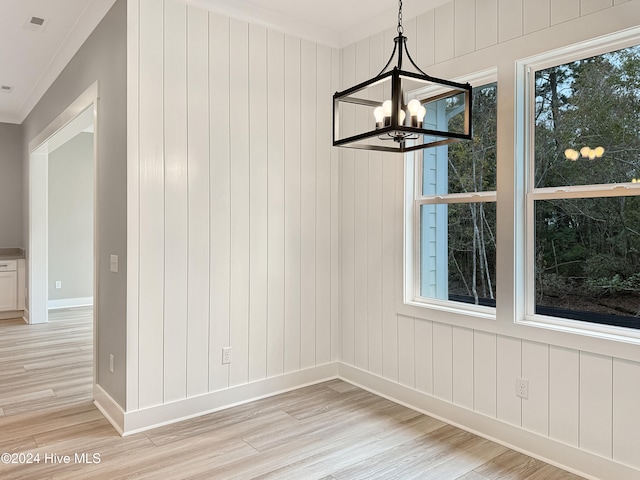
<point>587,250</point>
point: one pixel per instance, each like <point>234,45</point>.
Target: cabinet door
<point>8,291</point>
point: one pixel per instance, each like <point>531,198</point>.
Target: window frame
<point>525,129</point>
<point>413,201</point>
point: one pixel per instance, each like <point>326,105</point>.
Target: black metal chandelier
<point>404,110</point>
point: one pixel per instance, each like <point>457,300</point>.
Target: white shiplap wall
<point>234,212</point>
<point>579,398</point>
<point>247,229</point>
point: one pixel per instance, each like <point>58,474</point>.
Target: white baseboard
<point>109,408</point>
<point>152,417</point>
<point>70,302</point>
<point>551,451</point>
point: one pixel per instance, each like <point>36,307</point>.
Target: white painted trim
<point>152,417</point>
<point>525,133</point>
<point>543,448</point>
<point>133,205</point>
<point>70,302</point>
<point>79,105</point>
<point>38,203</point>
<point>109,408</point>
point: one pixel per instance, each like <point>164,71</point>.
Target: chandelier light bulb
<point>414,106</point>
<point>386,108</point>
<point>378,113</point>
<point>422,112</point>
<point>599,151</point>
<point>403,115</point>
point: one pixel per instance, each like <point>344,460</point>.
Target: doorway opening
<point>62,267</point>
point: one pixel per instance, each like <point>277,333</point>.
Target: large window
<point>454,214</point>
<point>583,203</point>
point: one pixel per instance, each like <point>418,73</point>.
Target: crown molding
<point>86,23</point>
<point>331,37</point>
<point>243,11</point>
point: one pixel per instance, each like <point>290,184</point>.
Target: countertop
<point>11,253</point>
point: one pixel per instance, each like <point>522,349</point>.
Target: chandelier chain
<point>400,27</point>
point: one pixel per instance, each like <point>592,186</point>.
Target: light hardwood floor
<point>328,431</point>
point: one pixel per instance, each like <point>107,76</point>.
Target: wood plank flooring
<point>330,431</point>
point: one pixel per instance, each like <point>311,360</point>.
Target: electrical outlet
<point>522,388</point>
<point>111,362</point>
<point>58,284</point>
<point>226,355</point>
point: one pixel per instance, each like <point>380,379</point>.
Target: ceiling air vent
<point>5,88</point>
<point>35,23</point>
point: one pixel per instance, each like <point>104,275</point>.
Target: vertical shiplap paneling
<point>275,203</point>
<point>535,368</point>
<point>374,239</point>
<point>509,356</point>
<point>406,351</point>
<point>564,400</point>
<point>463,369</point>
<point>596,404</point>
<point>509,19</point>
<point>410,26</point>
<point>336,334</point>
<point>424,356</point>
<point>361,182</point>
<point>240,221</point>
<point>175,191</point>
<point>392,222</point>
<point>564,10</point>
<point>484,372</point>
<point>221,183</point>
<point>536,15</point>
<point>151,133</point>
<point>444,37</point>
<point>590,6</point>
<point>626,415</point>
<point>348,219</point>
<point>220,200</point>
<point>198,201</point>
<point>292,150</point>
<point>464,27</point>
<point>308,204</point>
<point>258,200</point>
<point>425,50</point>
<point>443,361</point>
<point>486,23</point>
<point>323,206</point>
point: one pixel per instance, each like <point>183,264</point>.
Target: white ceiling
<point>31,60</point>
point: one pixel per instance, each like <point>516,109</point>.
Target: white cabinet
<point>8,285</point>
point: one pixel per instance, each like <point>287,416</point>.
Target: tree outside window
<point>583,188</point>
<point>457,214</point>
